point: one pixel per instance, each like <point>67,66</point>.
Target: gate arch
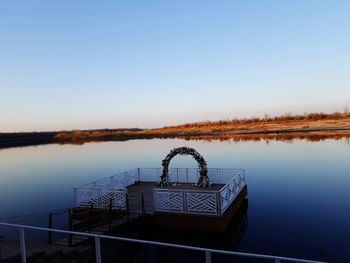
<point>203,180</point>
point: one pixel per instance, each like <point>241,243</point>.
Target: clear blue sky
<point>97,64</point>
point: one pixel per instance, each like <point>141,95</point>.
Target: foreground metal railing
<point>207,251</point>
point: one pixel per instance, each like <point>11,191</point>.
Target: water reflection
<point>298,193</point>
<point>283,137</point>
<point>147,230</point>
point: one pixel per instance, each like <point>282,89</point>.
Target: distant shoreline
<point>38,138</point>
<point>314,127</point>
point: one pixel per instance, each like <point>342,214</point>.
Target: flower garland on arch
<point>203,180</point>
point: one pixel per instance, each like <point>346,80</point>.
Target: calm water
<point>299,193</point>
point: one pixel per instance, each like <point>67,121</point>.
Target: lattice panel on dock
<point>169,201</point>
<point>202,202</point>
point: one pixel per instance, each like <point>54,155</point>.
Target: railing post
<point>184,203</point>
<point>177,175</point>
<point>22,244</point>
<point>142,204</point>
<point>90,216</point>
<point>127,205</point>
<point>125,179</point>
<point>99,198</point>
<point>139,174</point>
<point>110,214</point>
<point>49,238</point>
<point>218,202</point>
<point>187,175</point>
<point>70,226</point>
<point>98,249</point>
<point>207,257</point>
<point>75,197</point>
<point>155,200</point>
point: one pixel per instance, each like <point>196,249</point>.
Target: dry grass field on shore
<point>286,126</point>
<point>311,126</point>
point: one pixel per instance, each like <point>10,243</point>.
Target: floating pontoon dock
<point>184,203</point>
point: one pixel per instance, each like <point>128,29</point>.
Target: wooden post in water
<point>70,226</point>
<point>50,226</point>
<point>110,214</point>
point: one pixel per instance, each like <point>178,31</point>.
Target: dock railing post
<point>110,214</point>
<point>99,198</point>
<point>22,244</point>
<point>127,206</point>
<point>218,202</point>
<point>90,216</point>
<point>142,204</point>
<point>49,238</point>
<point>75,197</point>
<point>125,179</point>
<point>70,226</point>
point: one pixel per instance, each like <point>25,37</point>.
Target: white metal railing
<point>121,180</point>
<point>100,197</point>
<point>207,251</point>
<point>100,193</point>
<point>177,175</point>
<point>231,189</point>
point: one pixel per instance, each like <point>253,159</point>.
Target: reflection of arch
<point>203,180</point>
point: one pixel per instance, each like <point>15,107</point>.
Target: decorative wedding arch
<point>203,180</point>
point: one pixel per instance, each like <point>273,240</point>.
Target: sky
<point>108,64</point>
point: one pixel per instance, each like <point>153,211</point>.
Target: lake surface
<point>299,192</point>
